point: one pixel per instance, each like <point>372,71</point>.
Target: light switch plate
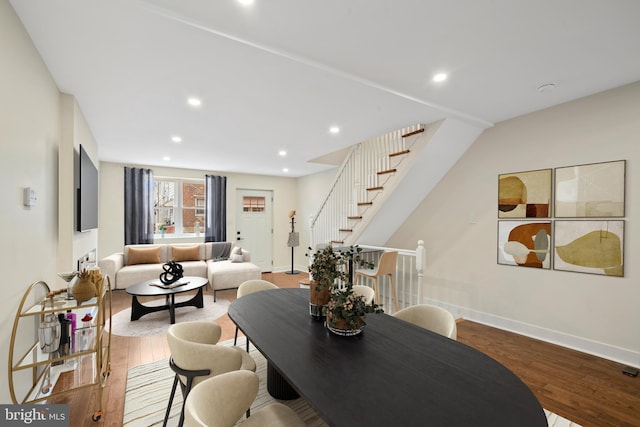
<point>30,197</point>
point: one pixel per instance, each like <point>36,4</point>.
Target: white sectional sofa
<point>224,267</point>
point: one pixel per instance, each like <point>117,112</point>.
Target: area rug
<point>157,323</point>
<point>149,386</point>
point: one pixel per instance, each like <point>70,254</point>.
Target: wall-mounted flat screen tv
<point>87,202</point>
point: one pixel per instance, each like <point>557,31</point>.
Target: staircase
<point>371,171</point>
<point>382,180</point>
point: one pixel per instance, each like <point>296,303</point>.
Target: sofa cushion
<point>186,253</point>
<point>228,275</point>
<point>140,255</point>
<point>133,274</point>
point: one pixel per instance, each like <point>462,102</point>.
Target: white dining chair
<point>220,402</point>
<point>249,287</point>
<point>366,292</point>
<point>196,356</point>
<point>430,317</point>
<point>386,267</point>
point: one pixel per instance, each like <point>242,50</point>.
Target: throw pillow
<point>236,251</point>
<point>149,255</point>
<point>185,253</point>
<point>236,258</point>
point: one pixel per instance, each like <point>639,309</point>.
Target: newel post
<point>420,264</point>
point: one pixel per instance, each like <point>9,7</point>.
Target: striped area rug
<point>149,385</point>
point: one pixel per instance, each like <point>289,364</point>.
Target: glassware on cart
<point>68,277</point>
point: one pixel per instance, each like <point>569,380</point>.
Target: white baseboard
<point>595,348</point>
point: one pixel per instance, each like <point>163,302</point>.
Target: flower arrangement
<point>347,310</point>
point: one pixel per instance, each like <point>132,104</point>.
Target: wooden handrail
<point>413,133</point>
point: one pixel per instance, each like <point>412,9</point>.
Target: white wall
<point>112,206</point>
<point>595,313</point>
<point>37,241</point>
<point>312,189</point>
<point>29,116</point>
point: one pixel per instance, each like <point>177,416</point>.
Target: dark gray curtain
<point>215,223</point>
<point>138,206</point>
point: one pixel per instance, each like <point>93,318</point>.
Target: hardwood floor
<point>585,389</point>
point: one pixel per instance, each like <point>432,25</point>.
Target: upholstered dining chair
<point>431,317</point>
<point>386,267</point>
<point>196,356</point>
<point>366,292</point>
<point>249,287</point>
<point>220,402</point>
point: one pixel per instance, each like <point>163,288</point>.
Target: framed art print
<point>589,246</point>
<point>593,190</point>
<point>525,243</point>
<point>525,194</point>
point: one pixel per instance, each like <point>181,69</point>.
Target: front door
<point>254,226</point>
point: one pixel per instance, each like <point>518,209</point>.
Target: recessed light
<point>334,129</point>
<point>194,102</point>
<point>440,77</point>
<point>285,170</point>
<point>282,153</point>
<point>176,139</point>
<point>166,158</point>
<point>245,2</point>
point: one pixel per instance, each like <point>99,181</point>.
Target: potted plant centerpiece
<point>331,291</point>
<point>346,311</point>
<point>324,270</point>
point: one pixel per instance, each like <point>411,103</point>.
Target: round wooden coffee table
<point>147,289</point>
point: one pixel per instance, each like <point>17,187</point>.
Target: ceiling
<point>276,75</point>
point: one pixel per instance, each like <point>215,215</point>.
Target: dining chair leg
<point>173,392</point>
<point>235,337</point>
<point>375,290</point>
<point>393,293</point>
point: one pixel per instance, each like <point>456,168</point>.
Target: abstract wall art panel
<point>525,194</point>
<point>587,191</point>
<point>525,243</point>
<point>595,247</point>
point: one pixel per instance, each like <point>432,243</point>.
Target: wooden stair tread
<point>400,153</point>
<point>337,241</point>
<point>364,203</point>
<point>375,188</point>
<point>413,133</point>
<point>355,217</point>
<point>387,171</point>
<point>346,230</point>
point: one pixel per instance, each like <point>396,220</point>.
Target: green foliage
<point>328,265</point>
<point>347,305</point>
<point>329,268</point>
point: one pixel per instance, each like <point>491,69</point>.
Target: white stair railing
<point>408,276</point>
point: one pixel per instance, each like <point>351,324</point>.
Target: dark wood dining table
<point>392,374</point>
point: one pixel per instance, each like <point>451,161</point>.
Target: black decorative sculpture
<point>172,273</point>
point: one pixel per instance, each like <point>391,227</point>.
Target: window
<point>253,204</point>
<point>178,206</point>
